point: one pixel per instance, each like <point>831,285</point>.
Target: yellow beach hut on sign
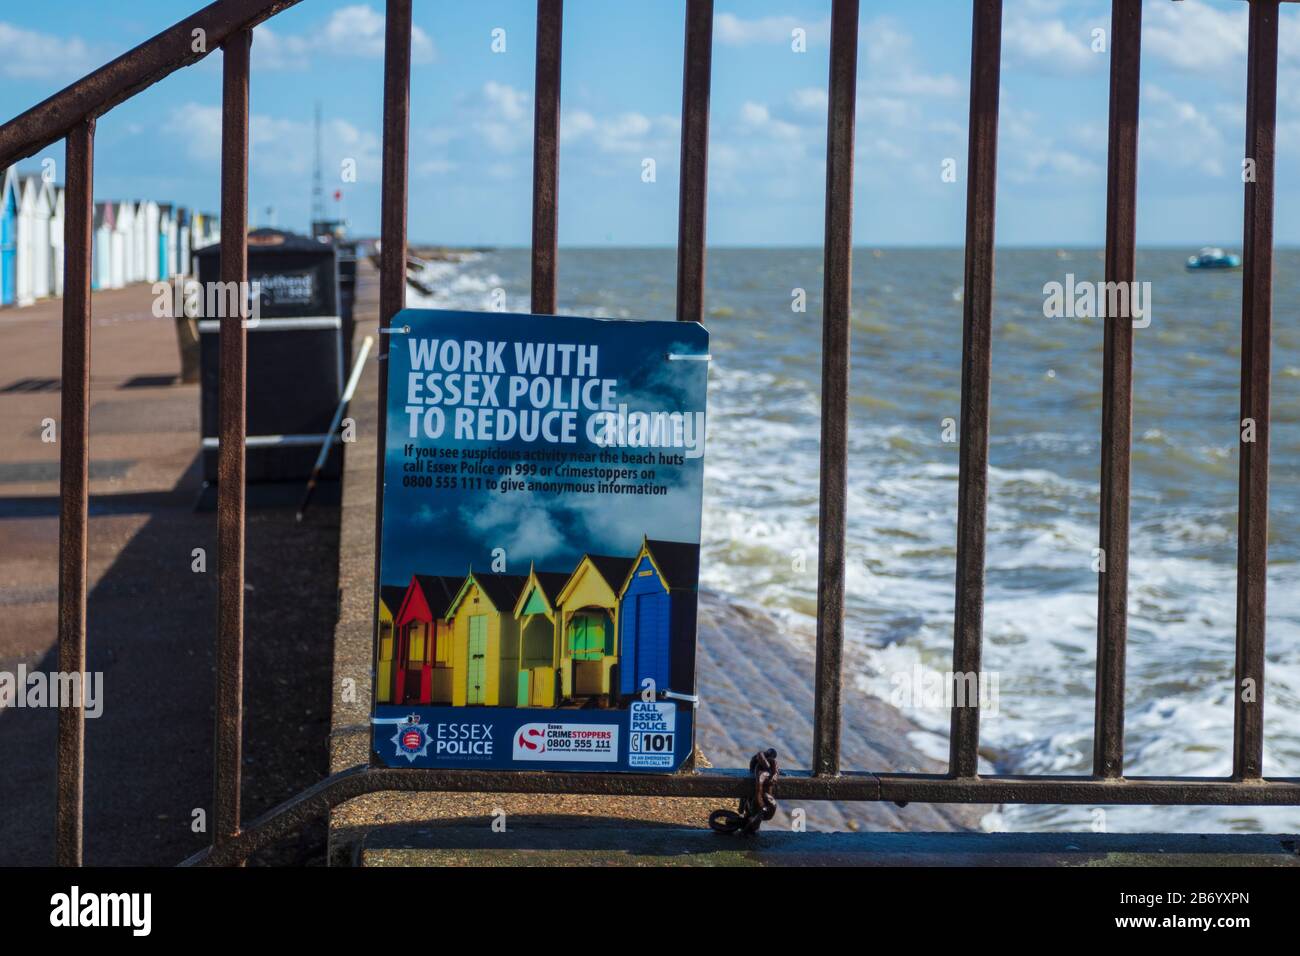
<point>587,605</point>
<point>390,601</point>
<point>539,647</point>
<point>485,640</point>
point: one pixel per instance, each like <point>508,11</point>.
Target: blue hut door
<point>652,640</point>
<point>8,249</point>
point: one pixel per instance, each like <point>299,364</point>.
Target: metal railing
<point>229,24</point>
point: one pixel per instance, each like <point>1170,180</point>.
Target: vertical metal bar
<point>392,229</point>
<point>1117,389</point>
<point>837,282</point>
<point>546,153</point>
<point>977,321</point>
<point>74,488</point>
<point>230,453</point>
<point>697,71</point>
<point>1256,333</point>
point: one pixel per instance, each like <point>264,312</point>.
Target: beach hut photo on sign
<point>656,603</point>
<point>539,647</point>
<point>486,640</point>
<point>423,656</point>
<point>390,601</point>
<point>8,237</point>
<point>35,214</point>
<point>587,605</point>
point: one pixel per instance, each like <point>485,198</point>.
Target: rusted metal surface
<point>697,74</point>
<point>977,322</point>
<point>1256,334</point>
<point>546,154</point>
<point>792,785</point>
<point>837,281</point>
<point>98,92</point>
<point>230,455</point>
<point>1117,389</point>
<point>74,488</point>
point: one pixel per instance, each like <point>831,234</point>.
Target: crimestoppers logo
<point>412,738</point>
<point>531,741</point>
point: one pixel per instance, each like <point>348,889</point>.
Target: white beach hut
<point>102,276</point>
<point>184,237</point>
<point>56,241</point>
<point>35,213</point>
<point>123,256</point>
<point>146,221</point>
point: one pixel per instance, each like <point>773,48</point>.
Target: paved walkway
<point>151,619</point>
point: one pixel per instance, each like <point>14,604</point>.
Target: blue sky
<point>472,117</point>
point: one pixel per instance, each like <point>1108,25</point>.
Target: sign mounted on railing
<point>540,548</point>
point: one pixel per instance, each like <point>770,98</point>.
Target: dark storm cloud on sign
<point>430,530</point>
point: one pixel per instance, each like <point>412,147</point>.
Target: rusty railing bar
<point>697,71</point>
<point>1256,332</point>
<point>1117,389</point>
<point>546,154</point>
<point>357,781</point>
<point>74,487</point>
<point>977,321</point>
<point>392,238</point>
<point>96,93</point>
<point>836,295</point>
<point>230,452</point>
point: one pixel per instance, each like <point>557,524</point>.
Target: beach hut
<point>587,605</point>
<point>183,240</point>
<point>123,249</point>
<point>539,648</point>
<point>166,241</point>
<point>101,276</point>
<point>8,236</point>
<point>485,640</point>
<point>657,601</point>
<point>422,657</point>
<point>146,241</point>
<point>390,601</point>
<point>35,213</point>
<point>56,242</point>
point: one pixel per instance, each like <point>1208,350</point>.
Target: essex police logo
<point>412,738</point>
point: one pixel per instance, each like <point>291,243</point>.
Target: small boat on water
<point>1212,257</point>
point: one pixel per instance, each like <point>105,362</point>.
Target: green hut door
<point>478,642</point>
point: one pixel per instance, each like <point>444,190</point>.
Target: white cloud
<point>1177,133</point>
<point>732,30</point>
<point>277,147</point>
<point>1194,36</point>
<point>27,54</point>
<point>891,67</point>
<point>356,30</point>
<point>1050,45</point>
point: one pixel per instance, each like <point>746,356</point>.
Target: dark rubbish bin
<point>295,356</point>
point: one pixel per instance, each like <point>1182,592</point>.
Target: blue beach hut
<point>8,237</point>
<point>657,603</point>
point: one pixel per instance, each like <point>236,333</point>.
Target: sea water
<point>760,525</point>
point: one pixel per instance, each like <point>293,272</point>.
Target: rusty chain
<point>752,810</point>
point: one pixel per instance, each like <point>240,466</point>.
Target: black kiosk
<point>295,355</point>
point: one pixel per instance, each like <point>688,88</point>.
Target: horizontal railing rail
<point>71,114</point>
